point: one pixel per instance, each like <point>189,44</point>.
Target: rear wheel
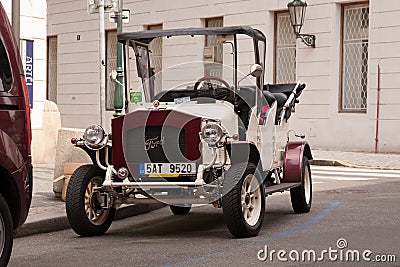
<point>6,232</point>
<point>301,196</point>
<point>243,202</point>
<point>84,213</point>
<point>180,210</point>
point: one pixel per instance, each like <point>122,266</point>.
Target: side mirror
<point>256,70</point>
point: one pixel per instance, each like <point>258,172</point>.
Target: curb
<point>331,162</point>
<point>61,222</point>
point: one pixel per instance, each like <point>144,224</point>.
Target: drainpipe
<point>15,17</point>
<point>102,46</point>
<point>377,110</point>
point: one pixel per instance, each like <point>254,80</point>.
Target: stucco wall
<point>385,51</point>
<point>317,115</point>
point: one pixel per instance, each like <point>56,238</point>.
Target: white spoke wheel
<point>6,232</point>
<point>251,199</point>
<point>243,200</point>
<point>84,213</point>
<point>301,196</point>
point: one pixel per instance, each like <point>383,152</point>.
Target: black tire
<point>6,232</point>
<point>180,210</point>
<point>235,178</point>
<point>301,196</point>
<point>82,180</point>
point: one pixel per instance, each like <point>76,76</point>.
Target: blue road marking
<point>318,217</point>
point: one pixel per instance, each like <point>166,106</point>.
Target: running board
<point>280,187</point>
<point>168,200</point>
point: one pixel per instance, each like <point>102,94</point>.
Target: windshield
<point>190,64</point>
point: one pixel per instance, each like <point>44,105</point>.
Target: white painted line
<point>353,175</point>
<point>344,178</point>
<point>355,179</point>
<point>355,170</point>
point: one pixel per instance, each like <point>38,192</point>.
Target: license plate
<point>167,169</point>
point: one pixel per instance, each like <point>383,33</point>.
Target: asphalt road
<point>354,212</point>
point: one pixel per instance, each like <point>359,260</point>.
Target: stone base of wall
<point>44,139</point>
<point>66,152</point>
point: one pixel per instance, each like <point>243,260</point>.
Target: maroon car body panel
<point>15,131</point>
<point>163,118</point>
<point>118,157</point>
<point>293,161</point>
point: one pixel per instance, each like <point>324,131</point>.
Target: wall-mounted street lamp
<point>297,11</point>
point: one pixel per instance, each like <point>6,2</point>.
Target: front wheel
<point>6,232</point>
<point>84,213</point>
<point>301,196</point>
<point>243,201</point>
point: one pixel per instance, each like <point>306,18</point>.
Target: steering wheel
<point>209,79</point>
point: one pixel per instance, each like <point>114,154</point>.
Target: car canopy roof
<point>148,36</point>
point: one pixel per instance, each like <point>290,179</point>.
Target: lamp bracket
<point>308,39</point>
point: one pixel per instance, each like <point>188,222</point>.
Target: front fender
<point>243,151</point>
<point>293,161</point>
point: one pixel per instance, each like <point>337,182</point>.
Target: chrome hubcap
<point>251,199</point>
<point>96,217</point>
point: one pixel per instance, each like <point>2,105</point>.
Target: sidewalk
<point>47,214</point>
<point>356,159</point>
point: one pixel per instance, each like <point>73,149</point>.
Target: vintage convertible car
<point>198,129</point>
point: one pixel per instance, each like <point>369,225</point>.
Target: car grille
<point>159,144</point>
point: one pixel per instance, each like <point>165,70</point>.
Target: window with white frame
<point>214,68</point>
<point>156,48</point>
<point>355,26</point>
<point>52,68</point>
<point>285,49</point>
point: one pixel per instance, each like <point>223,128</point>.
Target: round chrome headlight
<point>94,136</point>
<point>212,133</point>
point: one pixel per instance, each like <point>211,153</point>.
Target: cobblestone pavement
<point>43,201</point>
<point>48,213</point>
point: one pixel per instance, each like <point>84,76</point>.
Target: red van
<point>15,140</point>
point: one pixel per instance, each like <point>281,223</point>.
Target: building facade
<point>33,52</point>
<point>357,51</point>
